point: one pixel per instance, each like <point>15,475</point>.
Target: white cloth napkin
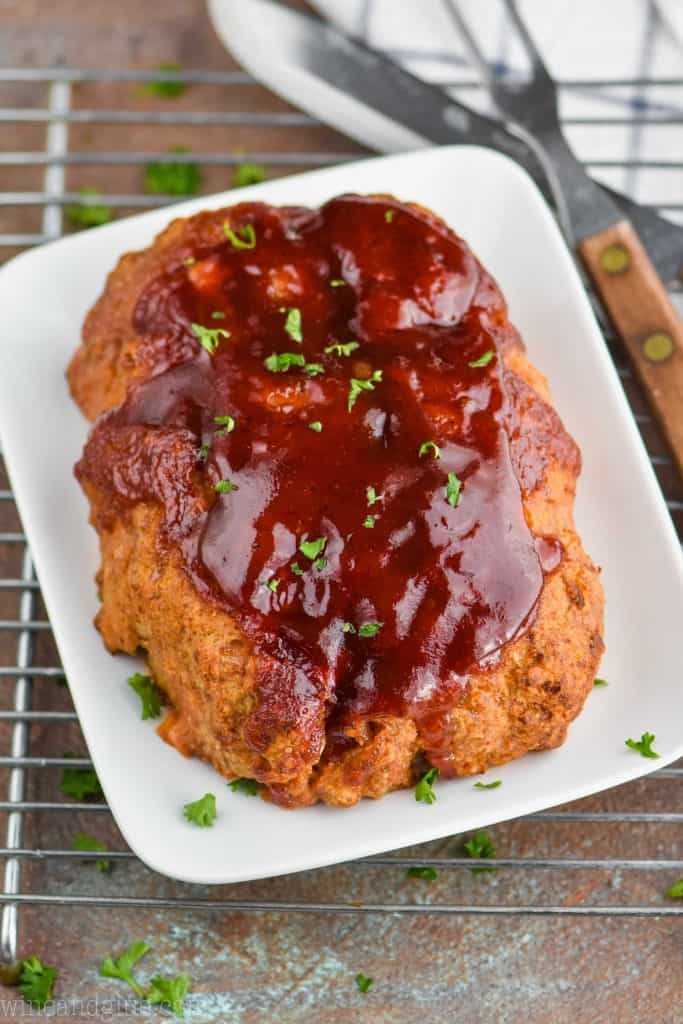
<point>597,41</point>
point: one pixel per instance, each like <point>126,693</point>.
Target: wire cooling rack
<point>72,133</point>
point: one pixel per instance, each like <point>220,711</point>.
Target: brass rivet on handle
<point>658,346</point>
<point>615,259</point>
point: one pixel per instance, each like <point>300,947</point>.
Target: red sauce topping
<point>450,581</point>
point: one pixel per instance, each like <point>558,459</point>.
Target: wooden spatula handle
<point>646,320</point>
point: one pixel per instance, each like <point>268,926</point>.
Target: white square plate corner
<point>45,294</point>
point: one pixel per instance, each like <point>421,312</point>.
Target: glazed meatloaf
<point>334,501</point>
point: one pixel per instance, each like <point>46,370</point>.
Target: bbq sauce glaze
<point>450,581</point>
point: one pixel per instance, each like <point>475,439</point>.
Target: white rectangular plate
<point>44,296</point>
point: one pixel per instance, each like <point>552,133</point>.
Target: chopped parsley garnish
<point>429,874</point>
<point>166,89</point>
<point>217,315</point>
<point>313,548</point>
<point>293,324</point>
<point>243,238</point>
<point>209,337</point>
<point>201,812</point>
<point>148,694</point>
<point>356,387</point>
<point>280,362</point>
<point>226,423</point>
<point>363,982</point>
<point>248,174</point>
<point>225,487</point>
<point>204,452</point>
<point>337,282</point>
<point>171,177</point>
<point>348,627</point>
<point>296,569</point>
<point>644,745</point>
<point>342,348</point>
<point>483,360</point>
<point>675,892</point>
<point>488,785</point>
<point>273,583</point>
<point>480,847</point>
<point>320,564</point>
<point>313,369</point>
<point>250,787</point>
<point>370,628</point>
<point>189,261</point>
<point>373,496</point>
<point>600,682</point>
<point>122,966</point>
<point>316,425</point>
<point>83,841</point>
<point>80,783</point>
<point>430,446</point>
<point>453,488</point>
<point>171,991</point>
<point>36,982</point>
<point>389,216</point>
<point>424,790</point>
<point>90,213</point>
<point>369,522</point>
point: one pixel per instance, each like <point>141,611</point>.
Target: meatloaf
<point>334,501</point>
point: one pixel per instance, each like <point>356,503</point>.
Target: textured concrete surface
<point>276,968</point>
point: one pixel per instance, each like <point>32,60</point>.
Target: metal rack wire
<point>26,626</point>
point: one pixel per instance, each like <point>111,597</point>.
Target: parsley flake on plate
<point>204,452</point>
<point>225,487</point>
<point>166,88</point>
<point>209,337</point>
<point>313,369</point>
<point>480,847</point>
<point>356,387</point>
<point>280,362</point>
<point>217,315</point>
<point>88,843</point>
<point>80,783</point>
<point>90,212</point>
<point>424,790</point>
<point>226,423</point>
<point>313,548</point>
<point>190,261</point>
<point>173,177</point>
<point>250,787</point>
<point>600,682</point>
<point>389,216</point>
<point>643,746</point>
<point>243,238</point>
<point>273,583</point>
<point>296,569</point>
<point>363,982</point>
<point>430,446</point>
<point>320,564</point>
<point>373,496</point>
<point>483,360</point>
<point>348,627</point>
<point>675,892</point>
<point>171,991</point>
<point>342,348</point>
<point>315,426</point>
<point>370,629</point>
<point>121,967</point>
<point>248,174</point>
<point>293,323</point>
<point>337,282</point>
<point>148,693</point>
<point>369,522</point>
<point>488,785</point>
<point>201,812</point>
<point>429,874</point>
<point>36,981</point>
<point>453,489</point>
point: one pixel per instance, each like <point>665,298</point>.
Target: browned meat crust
<point>202,661</point>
